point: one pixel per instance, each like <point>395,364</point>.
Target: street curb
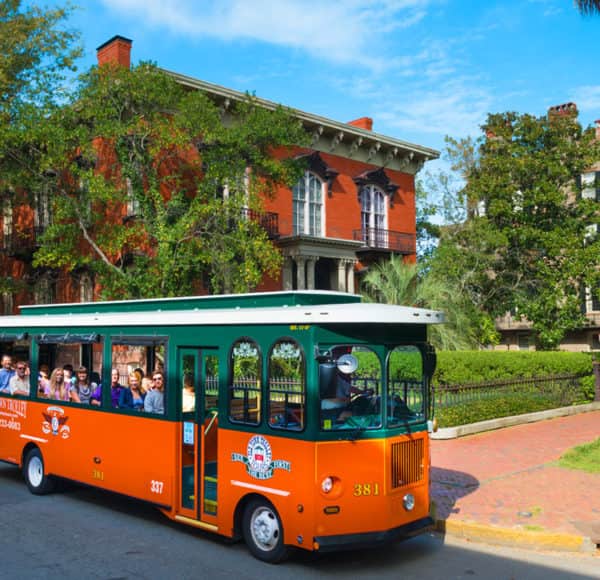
<point>516,538</point>
<point>472,428</point>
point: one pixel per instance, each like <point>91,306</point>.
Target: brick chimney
<point>564,110</point>
<point>363,123</point>
<point>117,50</point>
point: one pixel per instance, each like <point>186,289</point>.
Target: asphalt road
<point>85,533</point>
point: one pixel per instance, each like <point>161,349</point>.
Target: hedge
<point>458,367</point>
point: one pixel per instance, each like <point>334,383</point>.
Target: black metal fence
<point>564,389</point>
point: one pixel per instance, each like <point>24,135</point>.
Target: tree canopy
<point>188,173</point>
<point>526,245</point>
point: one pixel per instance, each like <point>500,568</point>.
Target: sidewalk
<point>504,486</point>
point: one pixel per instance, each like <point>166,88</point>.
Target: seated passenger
<point>43,380</point>
<point>120,396</point>
<point>155,399</point>
<point>137,392</point>
<point>188,397</point>
<point>19,382</point>
<point>6,373</point>
<point>84,388</point>
<point>57,388</point>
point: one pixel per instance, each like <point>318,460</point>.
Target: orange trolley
<point>288,419</point>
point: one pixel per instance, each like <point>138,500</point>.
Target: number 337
<point>365,489</point>
<point>156,486</point>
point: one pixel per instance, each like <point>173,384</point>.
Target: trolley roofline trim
<point>248,300</point>
<point>312,314</point>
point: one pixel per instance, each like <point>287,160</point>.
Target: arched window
<point>308,197</point>
<point>245,382</point>
<point>287,386</point>
<point>373,214</point>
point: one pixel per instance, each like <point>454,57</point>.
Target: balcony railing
<point>375,238</point>
<point>267,220</point>
<point>22,243</point>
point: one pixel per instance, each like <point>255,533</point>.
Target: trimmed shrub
<point>458,367</point>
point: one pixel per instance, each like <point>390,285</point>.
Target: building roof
<point>331,136</point>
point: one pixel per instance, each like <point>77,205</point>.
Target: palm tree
<point>394,282</point>
<point>588,6</point>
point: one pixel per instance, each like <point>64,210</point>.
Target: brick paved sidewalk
<point>509,478</point>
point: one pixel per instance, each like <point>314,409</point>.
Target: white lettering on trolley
<point>156,486</point>
<point>260,488</point>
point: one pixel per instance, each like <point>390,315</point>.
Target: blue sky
<point>421,69</point>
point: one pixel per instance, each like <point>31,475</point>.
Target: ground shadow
<point>448,486</point>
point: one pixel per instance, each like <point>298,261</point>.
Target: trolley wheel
<point>33,471</point>
<point>263,532</point>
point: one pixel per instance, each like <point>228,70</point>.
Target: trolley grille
<point>407,462</point>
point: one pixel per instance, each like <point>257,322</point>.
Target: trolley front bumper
<point>369,539</point>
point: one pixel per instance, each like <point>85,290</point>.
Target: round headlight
<point>327,484</point>
<point>408,501</point>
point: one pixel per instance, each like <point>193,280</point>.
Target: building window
<point>43,210</point>
<point>45,290</point>
<point>308,198</point>
<point>373,214</point>
<point>86,288</point>
<point>133,207</point>
<point>8,303</point>
<point>7,224</point>
<point>590,185</point>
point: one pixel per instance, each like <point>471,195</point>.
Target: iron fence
<point>564,389</point>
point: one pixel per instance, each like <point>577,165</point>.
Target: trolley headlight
<point>408,501</point>
<point>327,484</point>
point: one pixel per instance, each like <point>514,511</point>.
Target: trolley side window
<point>406,393</point>
<point>287,386</point>
<point>245,382</point>
<point>135,364</point>
<point>15,370</point>
<point>70,367</point>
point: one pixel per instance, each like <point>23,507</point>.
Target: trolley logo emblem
<point>259,459</point>
<point>55,422</point>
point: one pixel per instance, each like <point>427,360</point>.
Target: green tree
<point>395,282</point>
<point>37,53</point>
<point>190,180</point>
<point>525,246</point>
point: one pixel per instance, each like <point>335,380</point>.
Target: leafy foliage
<point>478,366</point>
<point>189,179</point>
<point>525,246</point>
<point>395,282</point>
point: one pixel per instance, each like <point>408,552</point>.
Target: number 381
<point>366,489</point>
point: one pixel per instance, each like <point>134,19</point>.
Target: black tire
<point>33,471</point>
<point>263,532</point>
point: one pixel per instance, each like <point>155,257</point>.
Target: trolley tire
<point>263,532</point>
<point>37,481</point>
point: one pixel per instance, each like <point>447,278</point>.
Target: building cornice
<point>333,137</point>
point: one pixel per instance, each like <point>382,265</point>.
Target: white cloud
<point>349,31</point>
<point>587,98</point>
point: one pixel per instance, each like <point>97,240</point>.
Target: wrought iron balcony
<point>388,240</point>
<point>21,244</point>
<point>267,220</point>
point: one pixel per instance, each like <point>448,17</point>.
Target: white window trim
<point>307,205</point>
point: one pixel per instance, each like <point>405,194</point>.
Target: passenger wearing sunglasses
<point>19,382</point>
<point>155,398</point>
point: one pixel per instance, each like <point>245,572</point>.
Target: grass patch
<point>584,457</point>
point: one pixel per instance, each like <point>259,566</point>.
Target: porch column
<point>301,273</point>
<point>350,275</point>
<point>310,272</point>
<point>341,275</point>
<point>287,274</point>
